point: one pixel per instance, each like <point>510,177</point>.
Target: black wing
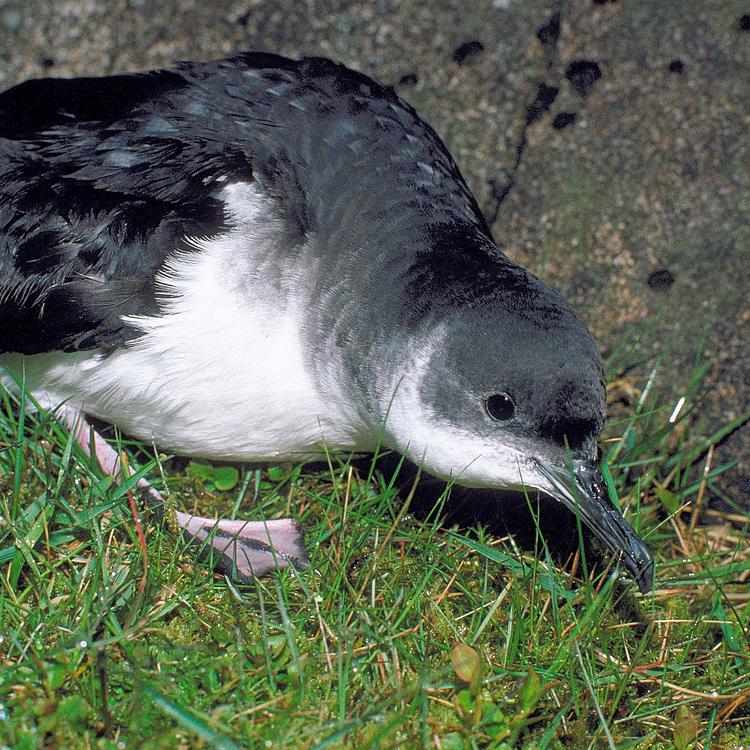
<point>100,179</point>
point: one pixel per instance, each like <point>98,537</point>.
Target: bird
<point>259,259</point>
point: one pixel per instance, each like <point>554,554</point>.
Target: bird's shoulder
<point>101,178</point>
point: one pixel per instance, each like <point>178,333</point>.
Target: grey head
<point>506,391</point>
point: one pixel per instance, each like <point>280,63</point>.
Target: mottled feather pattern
<point>101,179</point>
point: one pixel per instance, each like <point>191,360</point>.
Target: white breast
<point>221,373</point>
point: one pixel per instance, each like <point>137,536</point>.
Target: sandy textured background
<point>637,210</point>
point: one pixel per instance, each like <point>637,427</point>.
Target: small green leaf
<point>294,672</point>
<point>203,472</point>
<point>494,723</point>
<point>276,473</point>
<point>225,477</point>
<point>530,693</point>
<point>468,707</point>
<point>685,729</point>
<point>277,645</point>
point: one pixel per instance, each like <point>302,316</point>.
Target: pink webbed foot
<point>243,549</point>
<point>246,549</point>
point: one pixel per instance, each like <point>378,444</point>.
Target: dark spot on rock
<point>676,66</point>
<point>661,279</point>
<point>46,62</point>
<point>545,95</point>
<point>690,170</point>
<point>603,2</point>
<point>745,22</point>
<point>467,50</point>
<point>410,79</point>
<point>583,74</point>
<point>243,20</point>
<point>550,32</point>
<point>563,119</point>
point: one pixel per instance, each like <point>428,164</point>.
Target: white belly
<point>238,402</point>
<point>220,374</point>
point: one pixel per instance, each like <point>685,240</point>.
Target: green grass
<point>402,634</point>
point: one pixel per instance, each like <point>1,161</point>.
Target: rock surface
<point>632,188</point>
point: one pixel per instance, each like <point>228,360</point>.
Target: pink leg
<point>107,457</point>
<point>244,549</point>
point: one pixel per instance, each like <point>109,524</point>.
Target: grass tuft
<point>402,633</point>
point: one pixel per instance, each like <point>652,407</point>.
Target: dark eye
<point>500,407</point>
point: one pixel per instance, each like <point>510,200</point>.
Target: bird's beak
<point>583,491</point>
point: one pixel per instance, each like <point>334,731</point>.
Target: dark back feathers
<point>101,179</point>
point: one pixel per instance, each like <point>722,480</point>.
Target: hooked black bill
<point>584,492</point>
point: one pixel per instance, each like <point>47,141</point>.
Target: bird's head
<point>511,399</point>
